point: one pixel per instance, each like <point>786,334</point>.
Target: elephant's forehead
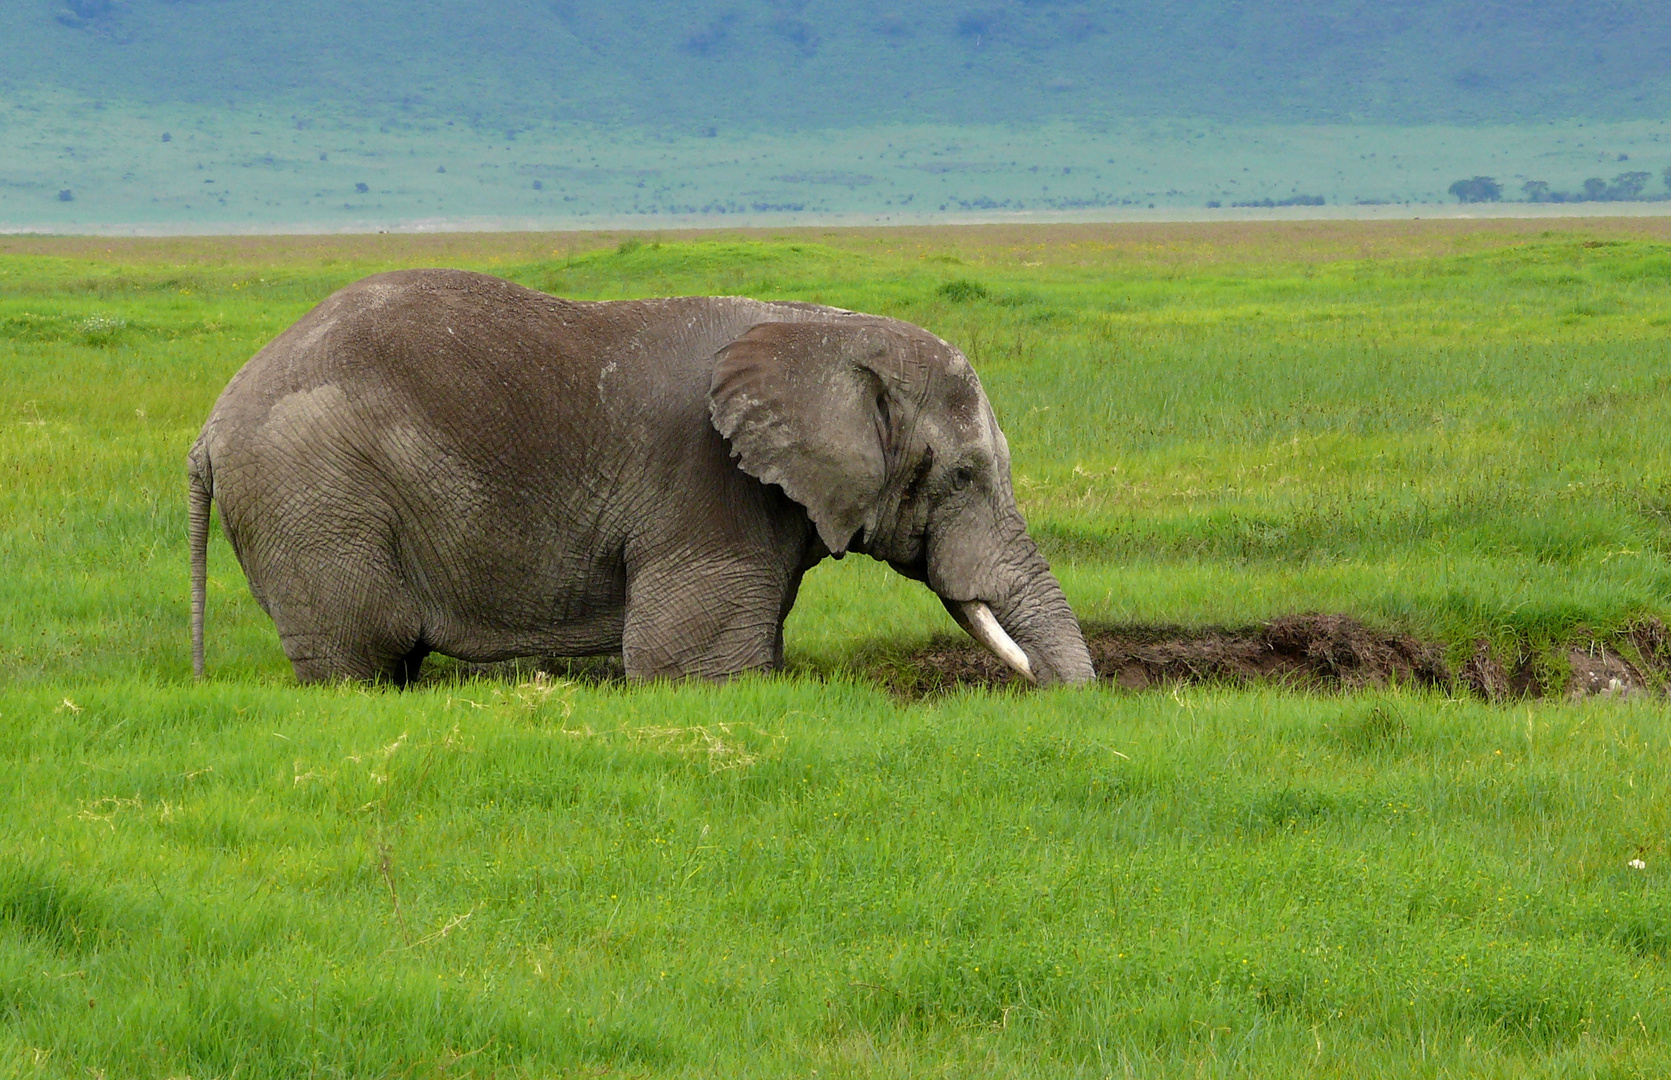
<point>949,386</point>
<point>961,411</point>
<point>964,405</point>
<point>959,388</point>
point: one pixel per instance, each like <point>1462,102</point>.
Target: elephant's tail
<point>202,491</point>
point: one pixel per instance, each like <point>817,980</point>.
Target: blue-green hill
<point>748,63</point>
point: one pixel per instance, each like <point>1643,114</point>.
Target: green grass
<point>1442,429</point>
<point>781,877</point>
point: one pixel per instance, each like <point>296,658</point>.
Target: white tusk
<point>983,626</point>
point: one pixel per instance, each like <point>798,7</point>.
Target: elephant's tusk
<point>982,625</point>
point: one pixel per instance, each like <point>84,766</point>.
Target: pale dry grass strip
<point>702,742</point>
<point>106,809</point>
<point>719,745</point>
<point>452,924</point>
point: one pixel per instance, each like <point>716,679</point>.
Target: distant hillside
<point>750,63</point>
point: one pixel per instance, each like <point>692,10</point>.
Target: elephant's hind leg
<point>346,618</point>
<point>355,651</point>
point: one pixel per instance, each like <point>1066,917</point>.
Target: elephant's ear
<point>805,406</point>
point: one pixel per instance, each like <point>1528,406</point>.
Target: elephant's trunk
<point>1037,619</point>
<point>1014,606</point>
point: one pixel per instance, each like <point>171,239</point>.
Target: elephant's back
<point>440,334</point>
<point>506,381</point>
<point>480,353</point>
<point>481,371</point>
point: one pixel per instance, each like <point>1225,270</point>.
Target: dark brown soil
<point>1300,651</point>
<point>1485,675</point>
<point>1295,650</point>
<point>1598,672</point>
<point>1304,652</point>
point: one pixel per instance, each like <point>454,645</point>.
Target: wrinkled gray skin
<point>439,460</point>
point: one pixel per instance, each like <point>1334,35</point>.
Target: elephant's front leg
<point>704,617</point>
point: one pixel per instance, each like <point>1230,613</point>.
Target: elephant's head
<point>881,431</point>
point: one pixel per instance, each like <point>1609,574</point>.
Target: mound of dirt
<point>1598,672</point>
<point>1296,650</point>
<point>1309,652</point>
<point>1485,675</point>
<point>1594,669</point>
<point>1303,651</point>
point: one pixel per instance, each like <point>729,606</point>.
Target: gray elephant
<point>435,460</point>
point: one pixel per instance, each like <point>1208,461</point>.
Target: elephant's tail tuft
<point>202,492</point>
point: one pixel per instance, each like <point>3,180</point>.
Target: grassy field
<point>1457,431</point>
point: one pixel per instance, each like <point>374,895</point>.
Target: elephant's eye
<point>962,476</point>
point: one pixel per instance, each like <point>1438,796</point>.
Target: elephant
<point>439,460</point>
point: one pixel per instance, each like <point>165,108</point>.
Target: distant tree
<point>1536,190</point>
<point>1627,186</point>
<point>1478,189</point>
<point>1666,176</point>
<point>1595,188</point>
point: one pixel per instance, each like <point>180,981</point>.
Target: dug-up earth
<point>1309,652</point>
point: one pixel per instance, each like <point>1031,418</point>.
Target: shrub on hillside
<point>1627,186</point>
<point>1292,200</point>
<point>1478,189</point>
